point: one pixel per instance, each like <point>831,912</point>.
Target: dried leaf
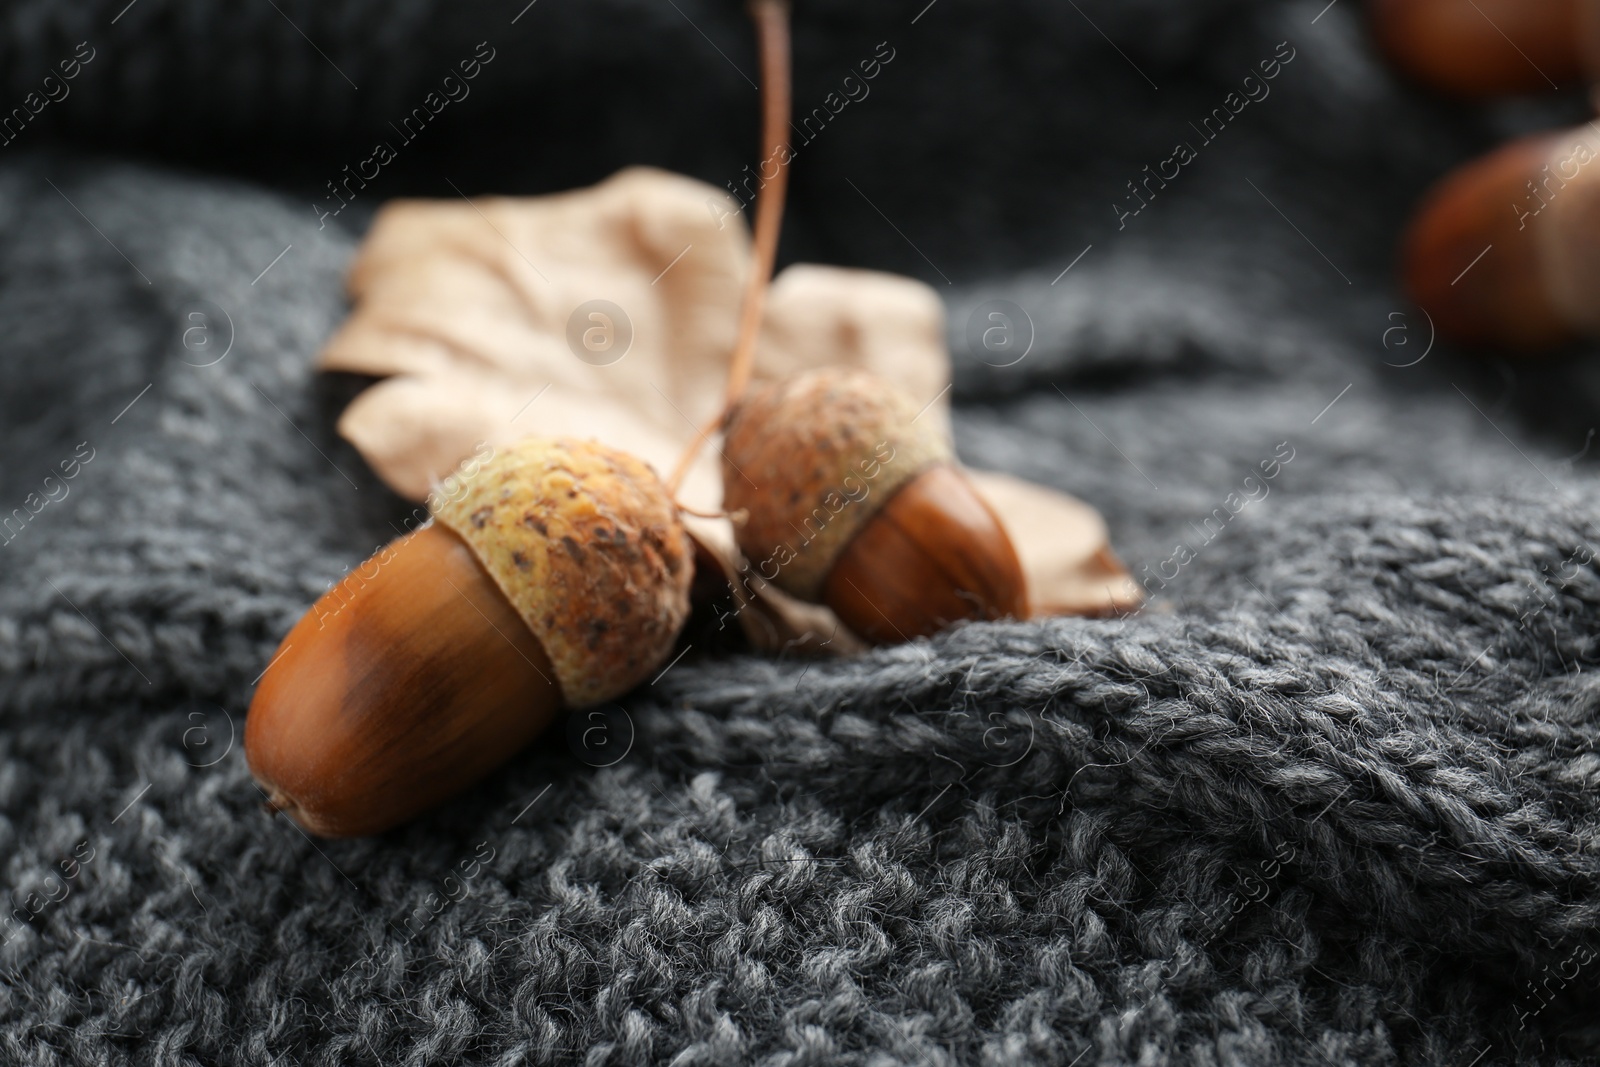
<point>483,319</point>
<point>1064,548</point>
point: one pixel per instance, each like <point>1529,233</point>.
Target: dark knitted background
<point>1330,799</point>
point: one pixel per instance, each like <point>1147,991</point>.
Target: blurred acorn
<point>1484,48</point>
<point>1505,251</point>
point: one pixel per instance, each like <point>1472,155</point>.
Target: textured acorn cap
<point>586,544</point>
<point>811,460</point>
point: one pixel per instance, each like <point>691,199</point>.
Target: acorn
<point>843,494</point>
<point>1485,48</point>
<point>1505,251</point>
<point>554,576</point>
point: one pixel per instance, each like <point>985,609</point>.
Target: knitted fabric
<point>1330,798</point>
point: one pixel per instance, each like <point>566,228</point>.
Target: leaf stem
<point>772,30</point>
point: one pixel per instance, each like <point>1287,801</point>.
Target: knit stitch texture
<point>1329,799</point>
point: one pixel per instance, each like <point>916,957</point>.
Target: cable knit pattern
<point>1329,799</point>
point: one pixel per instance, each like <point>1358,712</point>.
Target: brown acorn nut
<point>1505,251</point>
<point>556,576</point>
<point>851,500</point>
<point>1487,48</point>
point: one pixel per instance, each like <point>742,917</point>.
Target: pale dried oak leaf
<point>480,318</point>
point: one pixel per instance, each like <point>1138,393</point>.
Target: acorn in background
<point>1485,48</point>
<point>556,576</point>
<point>842,494</point>
<point>1505,251</point>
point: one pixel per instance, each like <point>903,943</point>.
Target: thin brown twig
<point>718,514</point>
<point>772,29</point>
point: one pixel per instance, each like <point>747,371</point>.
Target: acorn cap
<point>586,544</point>
<point>811,460</point>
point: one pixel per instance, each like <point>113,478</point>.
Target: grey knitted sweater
<point>1330,798</point>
